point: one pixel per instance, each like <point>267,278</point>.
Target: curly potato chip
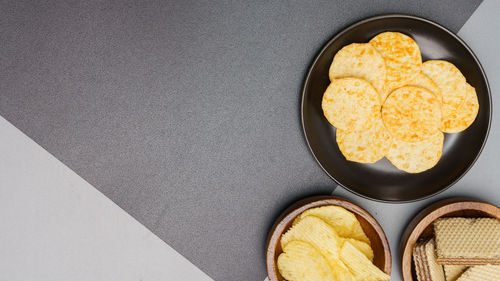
<point>360,266</point>
<point>412,114</point>
<point>367,146</point>
<point>351,104</point>
<point>301,261</point>
<point>416,157</point>
<point>321,236</point>
<point>343,222</point>
<point>360,61</point>
<point>317,233</point>
<point>402,58</point>
<point>451,83</point>
<point>363,247</point>
<point>465,115</point>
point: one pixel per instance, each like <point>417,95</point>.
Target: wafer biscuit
<point>367,146</point>
<point>481,273</point>
<point>452,272</point>
<point>428,265</point>
<point>467,241</point>
<point>402,58</point>
<point>412,114</point>
<point>351,104</point>
<point>361,61</point>
<point>417,260</point>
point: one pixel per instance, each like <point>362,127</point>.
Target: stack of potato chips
<point>327,244</point>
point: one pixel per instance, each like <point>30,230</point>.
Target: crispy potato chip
<point>363,247</point>
<point>402,58</point>
<point>359,265</point>
<point>465,115</point>
<point>300,261</point>
<point>343,222</point>
<point>316,232</point>
<point>450,81</point>
<point>322,237</point>
<point>367,146</point>
<point>412,114</point>
<point>416,157</point>
<point>361,61</point>
<point>351,104</point>
<point>424,81</point>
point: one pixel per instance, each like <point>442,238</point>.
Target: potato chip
<point>363,247</point>
<point>359,265</point>
<point>412,114</point>
<point>360,61</point>
<point>343,222</point>
<point>300,261</point>
<point>424,81</point>
<point>351,104</point>
<point>465,115</point>
<point>450,81</point>
<point>402,58</point>
<point>367,146</point>
<point>416,157</point>
<point>317,233</point>
<point>321,236</point>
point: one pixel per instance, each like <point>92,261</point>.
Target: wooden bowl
<point>421,226</point>
<point>380,246</point>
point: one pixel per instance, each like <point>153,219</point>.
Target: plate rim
<point>379,17</point>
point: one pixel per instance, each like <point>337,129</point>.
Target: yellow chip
<point>367,146</point>
<point>412,114</point>
<point>416,157</point>
<point>360,61</point>
<point>360,266</point>
<point>300,261</point>
<point>363,247</point>
<point>465,115</point>
<point>317,233</point>
<point>343,222</point>
<point>351,104</point>
<point>424,81</point>
<point>322,237</point>
<point>402,58</point>
<point>450,81</point>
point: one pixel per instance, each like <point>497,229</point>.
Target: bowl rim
<point>434,211</point>
<point>300,206</point>
<point>349,28</point>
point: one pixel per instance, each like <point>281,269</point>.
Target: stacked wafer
<point>462,249</point>
<point>384,101</point>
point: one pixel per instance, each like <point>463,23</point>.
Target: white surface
<point>56,226</point>
<point>481,33</point>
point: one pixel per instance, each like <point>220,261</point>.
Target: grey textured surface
<point>185,113</point>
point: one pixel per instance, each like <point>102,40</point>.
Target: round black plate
<point>382,181</point>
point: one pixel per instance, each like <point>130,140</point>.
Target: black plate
<point>381,181</point>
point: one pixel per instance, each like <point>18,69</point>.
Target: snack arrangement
<point>385,102</point>
<point>462,249</point>
<point>327,243</point>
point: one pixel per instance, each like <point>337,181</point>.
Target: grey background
<point>184,113</point>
